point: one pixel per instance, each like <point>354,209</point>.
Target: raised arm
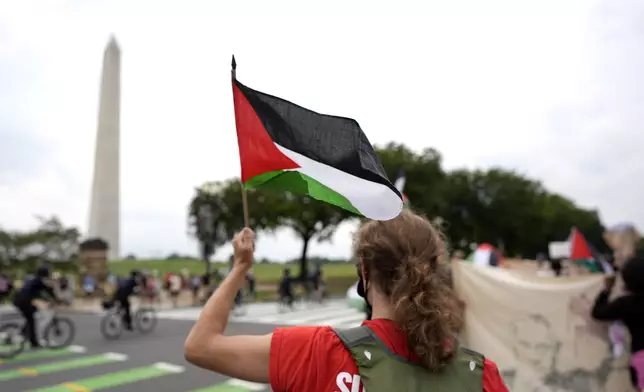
<point>243,357</point>
<point>603,309</point>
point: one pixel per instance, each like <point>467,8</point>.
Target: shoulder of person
<point>308,355</point>
<point>323,336</point>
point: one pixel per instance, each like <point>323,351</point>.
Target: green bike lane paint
<point>143,373</point>
<point>115,379</point>
<point>234,385</point>
<point>60,366</point>
<point>109,380</point>
<point>42,354</point>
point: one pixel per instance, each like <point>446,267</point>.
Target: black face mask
<point>363,294</point>
<point>361,288</point>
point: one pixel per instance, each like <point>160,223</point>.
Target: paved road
<point>333,312</point>
<point>152,362</point>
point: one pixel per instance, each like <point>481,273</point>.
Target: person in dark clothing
<point>205,280</point>
<point>286,288</point>
<point>126,288</point>
<point>32,290</point>
<point>556,266</point>
<point>629,309</point>
<point>250,278</point>
<point>317,284</point>
<point>316,276</point>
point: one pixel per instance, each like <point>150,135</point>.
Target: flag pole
<point>233,75</point>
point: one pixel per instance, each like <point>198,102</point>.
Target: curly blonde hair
<point>405,258</point>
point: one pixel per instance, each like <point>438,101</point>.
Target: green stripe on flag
<point>111,380</point>
<point>296,182</point>
<point>41,354</point>
<point>60,366</point>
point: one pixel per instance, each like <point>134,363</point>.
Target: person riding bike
<point>126,288</point>
<point>31,290</point>
<point>286,288</point>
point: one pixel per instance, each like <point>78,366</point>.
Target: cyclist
<point>286,288</point>
<point>31,290</point>
<point>409,345</point>
<point>126,288</point>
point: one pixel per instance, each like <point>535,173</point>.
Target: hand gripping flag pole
<point>233,75</point>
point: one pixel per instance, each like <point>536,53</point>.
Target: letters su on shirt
<point>349,382</point>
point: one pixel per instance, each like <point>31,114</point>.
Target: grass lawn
<point>338,277</point>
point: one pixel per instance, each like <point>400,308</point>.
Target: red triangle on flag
<point>579,249</point>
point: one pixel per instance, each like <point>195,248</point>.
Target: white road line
<point>312,309</point>
<point>251,386</point>
<point>77,349</point>
<point>169,367</point>
<point>334,313</point>
<point>116,356</point>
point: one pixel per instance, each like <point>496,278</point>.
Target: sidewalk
<point>93,305</point>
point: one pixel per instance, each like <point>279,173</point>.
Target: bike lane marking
<point>61,366</point>
<point>234,385</point>
<point>115,379</point>
<point>44,353</point>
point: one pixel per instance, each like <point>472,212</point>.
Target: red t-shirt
<point>314,359</point>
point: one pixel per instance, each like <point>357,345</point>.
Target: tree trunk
<point>205,255</point>
<point>304,268</point>
<point>208,267</point>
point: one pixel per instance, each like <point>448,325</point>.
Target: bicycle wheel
<point>60,332</point>
<point>12,341</point>
<point>145,319</point>
<point>111,326</point>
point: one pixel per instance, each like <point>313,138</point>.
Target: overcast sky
<point>554,89</point>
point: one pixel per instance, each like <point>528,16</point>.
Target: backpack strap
<point>353,337</point>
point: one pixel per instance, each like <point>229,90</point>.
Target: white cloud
<point>550,88</point>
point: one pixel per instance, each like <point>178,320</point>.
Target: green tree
<point>310,220</point>
<point>424,176</point>
<point>51,240</point>
<point>56,242</point>
<point>269,209</point>
<point>498,206</point>
<point>207,220</point>
<point>215,214</point>
<point>506,209</point>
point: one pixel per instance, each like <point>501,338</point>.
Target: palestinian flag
<point>400,185</point>
<point>584,254</point>
<point>286,147</point>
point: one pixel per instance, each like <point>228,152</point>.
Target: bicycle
<point>144,320</point>
<point>13,334</point>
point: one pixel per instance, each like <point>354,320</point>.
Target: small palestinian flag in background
<point>286,147</point>
<point>584,254</point>
<point>400,185</point>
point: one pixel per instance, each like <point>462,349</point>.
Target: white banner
<point>539,330</point>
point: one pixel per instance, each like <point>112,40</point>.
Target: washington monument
<point>104,214</point>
